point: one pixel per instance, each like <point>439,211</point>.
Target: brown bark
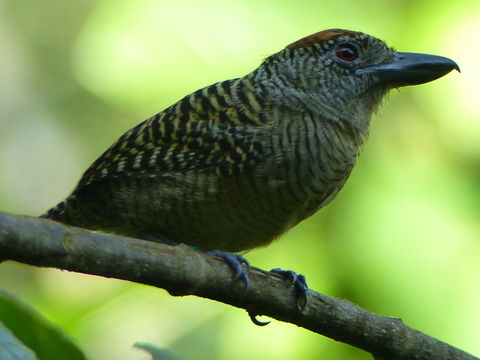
<point>183,271</point>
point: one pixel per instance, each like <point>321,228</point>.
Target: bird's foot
<point>299,283</point>
<point>237,263</point>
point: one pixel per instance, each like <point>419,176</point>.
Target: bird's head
<point>347,73</point>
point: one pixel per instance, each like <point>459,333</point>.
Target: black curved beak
<point>410,69</point>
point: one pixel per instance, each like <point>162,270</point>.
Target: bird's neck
<point>328,104</point>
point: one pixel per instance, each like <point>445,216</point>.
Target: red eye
<point>347,52</point>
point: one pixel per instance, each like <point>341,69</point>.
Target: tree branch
<point>183,271</point>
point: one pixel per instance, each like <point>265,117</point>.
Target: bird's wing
<point>206,130</point>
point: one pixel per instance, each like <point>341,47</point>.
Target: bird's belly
<point>245,218</point>
<point>230,214</point>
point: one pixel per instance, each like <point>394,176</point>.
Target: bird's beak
<point>410,69</point>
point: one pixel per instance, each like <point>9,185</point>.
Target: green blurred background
<point>402,239</point>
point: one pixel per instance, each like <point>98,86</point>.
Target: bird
<point>234,165</point>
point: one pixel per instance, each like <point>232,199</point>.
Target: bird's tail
<point>58,212</point>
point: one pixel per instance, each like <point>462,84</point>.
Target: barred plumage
<point>237,163</point>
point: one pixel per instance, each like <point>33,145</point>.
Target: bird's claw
<point>237,263</point>
<point>257,322</point>
<point>299,282</point>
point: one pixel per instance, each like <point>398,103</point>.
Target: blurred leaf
<point>45,339</point>
<point>156,352</point>
<point>11,348</point>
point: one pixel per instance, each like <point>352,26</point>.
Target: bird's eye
<point>346,52</point>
